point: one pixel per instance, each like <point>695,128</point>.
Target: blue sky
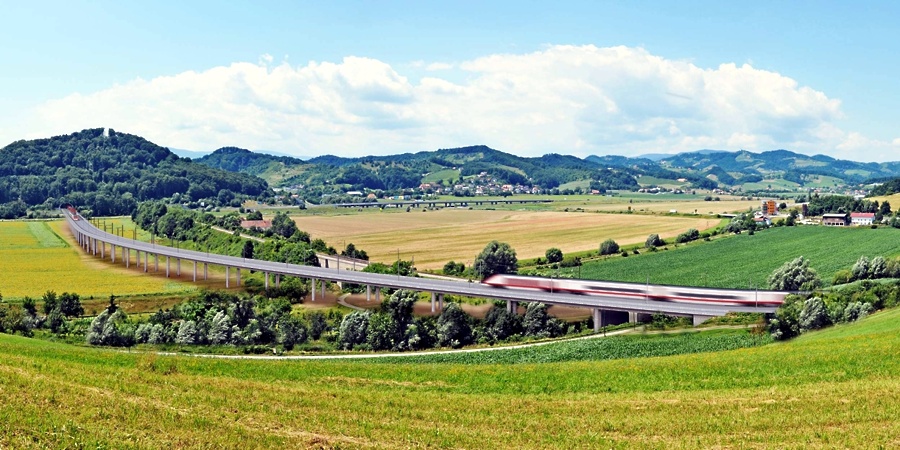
<point>356,78</point>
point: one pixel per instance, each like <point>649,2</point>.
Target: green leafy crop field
<point>838,388</point>
<point>744,261</point>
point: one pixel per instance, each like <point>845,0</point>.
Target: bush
<point>814,315</point>
<point>793,276</point>
<point>554,255</point>
<point>608,247</point>
<point>653,241</point>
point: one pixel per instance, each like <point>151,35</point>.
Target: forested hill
<point>783,164</point>
<point>241,160</point>
<point>108,173</point>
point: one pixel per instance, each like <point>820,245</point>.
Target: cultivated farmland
<point>744,261</point>
<point>40,256</point>
<point>434,237</point>
<point>770,396</point>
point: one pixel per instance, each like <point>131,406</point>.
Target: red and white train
<point>640,291</point>
<point>73,212</point>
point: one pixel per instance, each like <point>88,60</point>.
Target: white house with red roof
<point>862,219</point>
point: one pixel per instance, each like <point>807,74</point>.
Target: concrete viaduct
<point>434,203</point>
<point>606,310</point>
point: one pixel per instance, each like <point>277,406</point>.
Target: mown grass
<point>745,261</point>
<point>837,388</point>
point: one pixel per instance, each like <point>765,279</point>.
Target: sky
<point>355,78</point>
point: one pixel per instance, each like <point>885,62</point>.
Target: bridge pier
<point>195,270</point>
<point>377,293</point>
<point>146,258</point>
<point>112,252</point>
<point>433,301</point>
<point>156,257</point>
<point>126,255</point>
<point>227,276</point>
<point>597,315</point>
<point>368,292</point>
<point>512,306</point>
<point>277,281</point>
<point>238,277</point>
<point>698,319</point>
<point>267,281</point>
<point>168,267</point>
<point>323,289</point>
<point>103,250</point>
<point>177,267</point>
<point>441,302</point>
<point>205,271</point>
<point>313,288</point>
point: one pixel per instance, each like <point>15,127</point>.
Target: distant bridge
<point>435,203</point>
<point>605,309</point>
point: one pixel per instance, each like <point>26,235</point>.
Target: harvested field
<point>434,237</point>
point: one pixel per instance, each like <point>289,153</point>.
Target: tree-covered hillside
<point>107,174</point>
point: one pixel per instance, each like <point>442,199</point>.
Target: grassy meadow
<point>36,257</point>
<point>742,260</point>
<point>432,238</point>
<point>835,388</point>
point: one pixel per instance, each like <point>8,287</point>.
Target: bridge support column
<point>368,292</point>
<point>238,277</point>
<point>126,255</point>
<point>377,293</point>
<point>205,271</point>
<point>112,252</point>
<point>156,258</point>
<point>597,314</point>
<point>168,267</point>
<point>700,319</point>
<point>227,276</point>
<point>441,302</point>
<point>277,281</point>
<point>323,289</point>
<point>313,288</point>
<point>512,306</point>
<point>146,260</point>
<point>178,267</point>
<point>267,281</point>
<point>103,250</point>
<point>195,270</point>
<point>433,301</point>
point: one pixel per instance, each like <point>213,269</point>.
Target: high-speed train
<point>640,291</point>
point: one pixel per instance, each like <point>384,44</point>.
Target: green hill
<point>835,388</point>
<point>108,173</point>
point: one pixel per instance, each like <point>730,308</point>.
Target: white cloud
<point>567,99</point>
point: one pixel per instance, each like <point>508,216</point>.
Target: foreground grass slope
<point>835,388</point>
<point>743,260</point>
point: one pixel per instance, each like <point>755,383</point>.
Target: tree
<point>219,329</point>
<point>354,330</point>
<point>70,304</point>
<point>453,328</point>
<point>283,225</point>
<point>500,324</point>
<point>860,269</point>
<point>653,241</point>
<point>814,315</point>
<point>536,319</point>
<point>609,247</point>
<point>247,251</point>
<point>50,301</point>
<point>793,276</point>
<point>291,332</point>
<point>688,236</point>
<point>454,268</point>
<point>497,257</point>
<point>554,255</point>
<point>188,334</point>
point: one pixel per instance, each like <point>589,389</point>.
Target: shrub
<point>608,247</point>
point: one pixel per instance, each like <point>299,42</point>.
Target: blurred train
<point>72,212</point>
<point>640,291</point>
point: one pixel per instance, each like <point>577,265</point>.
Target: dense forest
<point>108,173</point>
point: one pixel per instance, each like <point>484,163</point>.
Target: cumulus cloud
<point>568,99</point>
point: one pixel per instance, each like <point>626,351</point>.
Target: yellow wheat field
<point>432,238</point>
<point>36,257</point>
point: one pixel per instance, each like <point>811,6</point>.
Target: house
<point>261,224</point>
<point>763,221</point>
<point>835,220</point>
<point>862,219</point>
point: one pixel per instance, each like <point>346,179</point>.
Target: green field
<point>36,257</point>
<point>837,388</point>
<point>449,175</point>
<point>744,261</point>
